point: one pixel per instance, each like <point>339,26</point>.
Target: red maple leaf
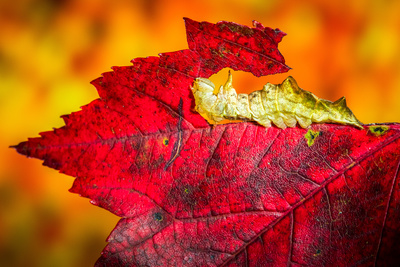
<point>231,195</point>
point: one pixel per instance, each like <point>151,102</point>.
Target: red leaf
<point>243,48</point>
<point>237,194</point>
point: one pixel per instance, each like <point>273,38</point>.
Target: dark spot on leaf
<point>135,145</point>
<point>158,216</point>
<point>318,252</point>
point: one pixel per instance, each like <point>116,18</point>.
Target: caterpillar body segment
<point>284,104</point>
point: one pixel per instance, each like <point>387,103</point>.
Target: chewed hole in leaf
<point>245,82</point>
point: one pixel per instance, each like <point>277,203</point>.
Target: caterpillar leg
<point>303,122</point>
<point>278,121</point>
<point>266,123</point>
<point>289,120</point>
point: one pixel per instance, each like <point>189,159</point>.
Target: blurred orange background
<point>50,51</point>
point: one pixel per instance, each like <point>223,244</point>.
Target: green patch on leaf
<point>311,136</point>
<point>378,130</point>
<point>165,141</point>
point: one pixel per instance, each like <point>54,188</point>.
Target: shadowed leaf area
<point>189,194</point>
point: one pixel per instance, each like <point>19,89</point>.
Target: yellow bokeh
<point>50,50</point>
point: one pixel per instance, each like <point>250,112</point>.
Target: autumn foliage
<point>238,194</point>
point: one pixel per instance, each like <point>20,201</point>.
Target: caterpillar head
<point>203,85</point>
<point>203,92</point>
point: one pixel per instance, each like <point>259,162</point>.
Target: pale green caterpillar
<point>283,104</point>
